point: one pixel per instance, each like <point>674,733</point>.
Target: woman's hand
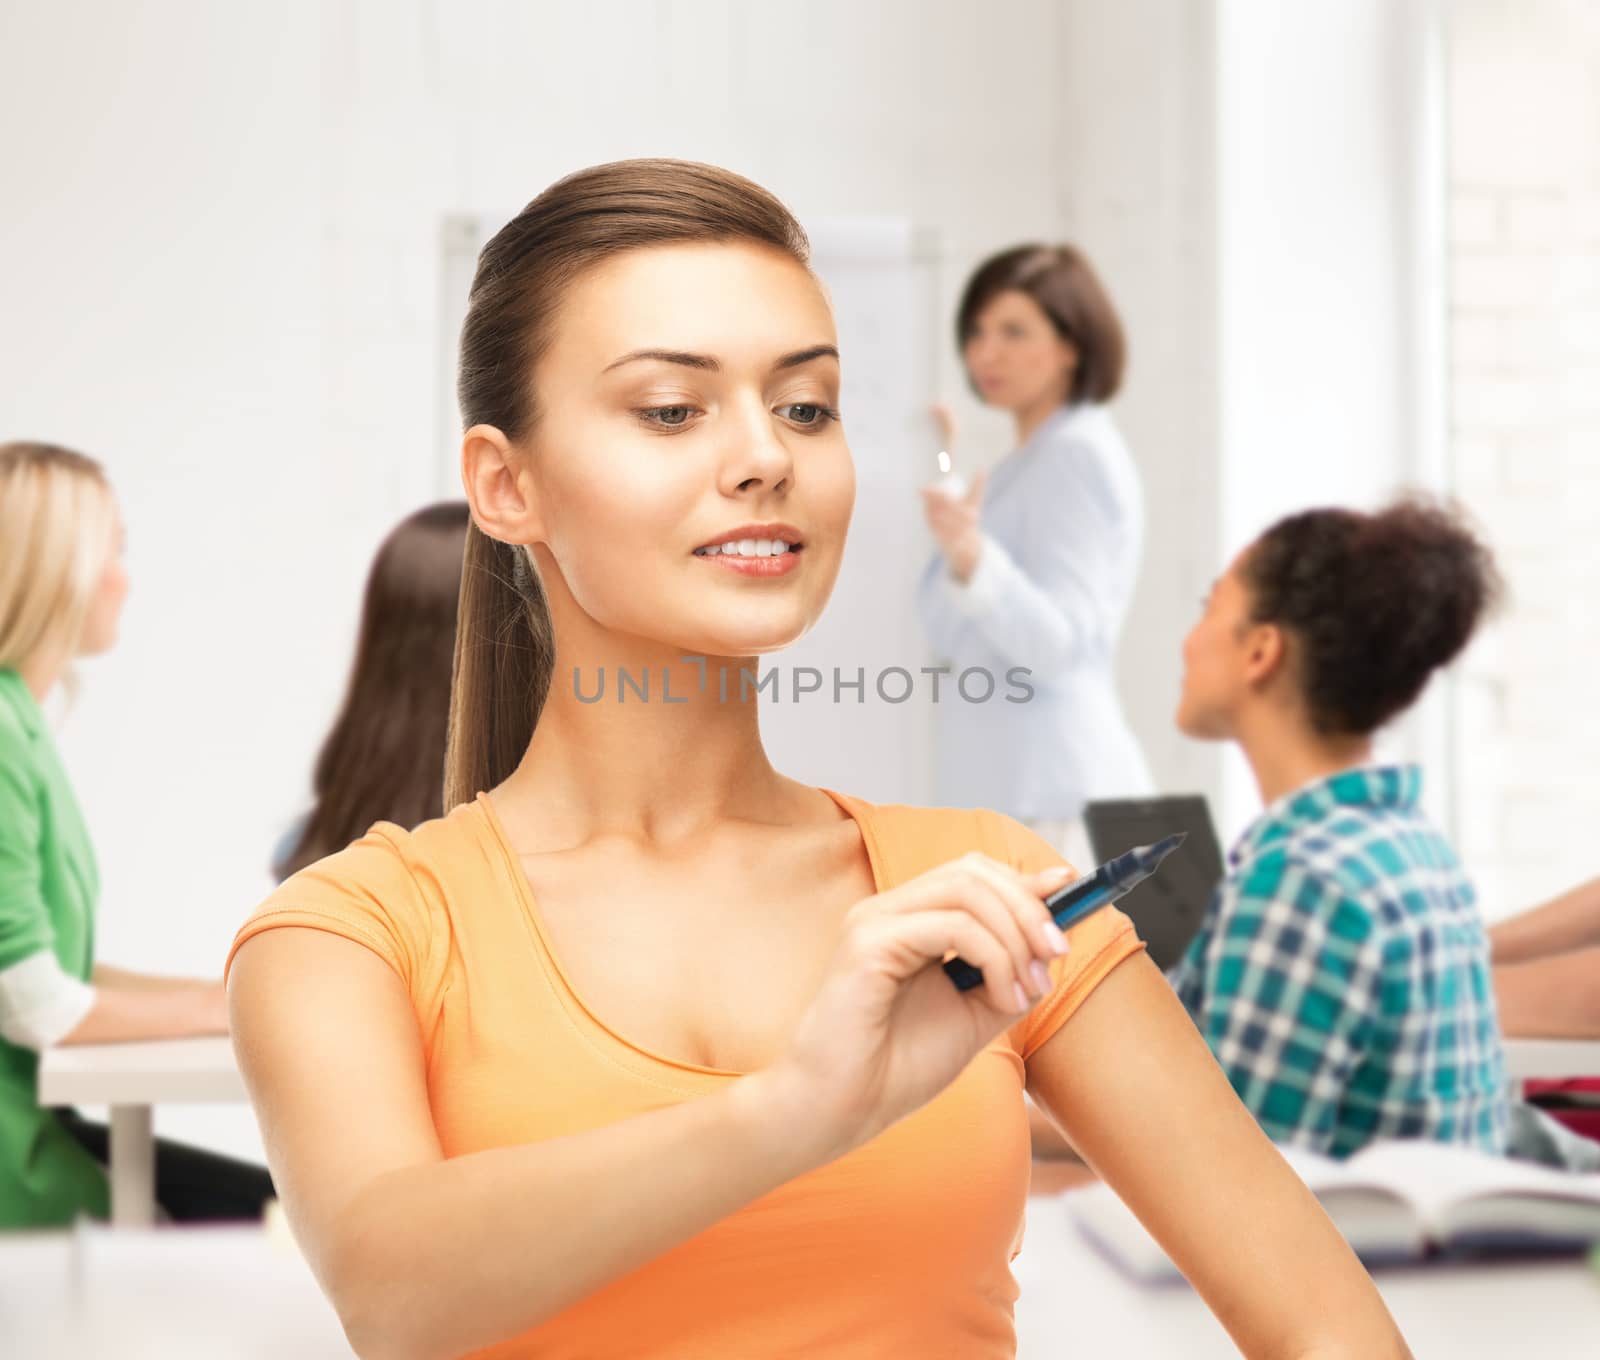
<point>955,526</point>
<point>887,1030</point>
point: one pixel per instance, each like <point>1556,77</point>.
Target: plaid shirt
<point>1341,974</point>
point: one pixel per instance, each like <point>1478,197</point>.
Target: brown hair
<point>1373,603</point>
<point>1061,280</point>
<point>505,648</point>
<point>383,759</point>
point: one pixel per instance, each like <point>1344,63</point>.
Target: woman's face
<point>1217,661</point>
<point>688,392</point>
<point>110,590</point>
<point>1016,357</point>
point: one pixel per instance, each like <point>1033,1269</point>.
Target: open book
<point>1397,1201</point>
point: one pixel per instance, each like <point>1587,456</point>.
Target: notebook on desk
<point>1168,907</point>
<point>1396,1201</point>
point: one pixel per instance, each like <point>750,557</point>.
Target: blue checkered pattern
<point>1341,975</point>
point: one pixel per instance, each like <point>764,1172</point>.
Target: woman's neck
<point>660,769</point>
<point>1029,418</point>
<point>1285,753</point>
<point>40,672</point>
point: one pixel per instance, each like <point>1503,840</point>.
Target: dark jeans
<point>192,1185</point>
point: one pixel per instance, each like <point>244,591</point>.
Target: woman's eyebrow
<point>705,361</point>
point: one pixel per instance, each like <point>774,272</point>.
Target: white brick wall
<point>1525,434</point>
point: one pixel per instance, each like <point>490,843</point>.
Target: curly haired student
<point>1341,974</point>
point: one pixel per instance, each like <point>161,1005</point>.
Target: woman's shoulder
<point>1082,445</point>
<point>1313,876</point>
<point>391,871</point>
<point>914,837</point>
<point>389,889</point>
<point>429,853</point>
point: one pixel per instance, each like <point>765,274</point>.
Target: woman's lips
<point>779,564</point>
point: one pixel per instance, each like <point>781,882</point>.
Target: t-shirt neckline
<point>857,810</point>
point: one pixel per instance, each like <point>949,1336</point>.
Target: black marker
<point>1069,905</point>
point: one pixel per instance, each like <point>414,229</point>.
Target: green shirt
<point>49,883</point>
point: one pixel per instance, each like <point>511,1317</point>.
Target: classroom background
<point>1356,244</point>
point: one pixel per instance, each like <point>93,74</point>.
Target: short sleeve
<point>366,893</point>
<point>1099,943</point>
<point>25,927</point>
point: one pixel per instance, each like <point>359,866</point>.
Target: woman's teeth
<point>746,547</point>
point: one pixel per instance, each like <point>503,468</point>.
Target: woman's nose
<point>756,454</point>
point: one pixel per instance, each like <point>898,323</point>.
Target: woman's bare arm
<point>1049,1144</point>
<point>1550,998</point>
<point>425,1256</point>
<point>122,1014</point>
<point>1141,1097</point>
<point>1568,922</point>
<point>106,976</point>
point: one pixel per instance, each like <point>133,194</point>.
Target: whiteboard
<point>882,276</point>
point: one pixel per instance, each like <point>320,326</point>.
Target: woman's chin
<point>742,637</point>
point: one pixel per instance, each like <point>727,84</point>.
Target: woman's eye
<point>808,413</point>
<point>668,416</point>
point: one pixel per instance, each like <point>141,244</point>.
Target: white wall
<point>1525,410</point>
<point>220,250</point>
<point>1137,130</point>
<point>221,244</point>
<point>1326,335</point>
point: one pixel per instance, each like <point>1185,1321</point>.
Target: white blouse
<point>1063,530</point>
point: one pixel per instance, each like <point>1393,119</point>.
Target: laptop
<point>1167,908</point>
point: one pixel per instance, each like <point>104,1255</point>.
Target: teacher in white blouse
<point>1037,562</point>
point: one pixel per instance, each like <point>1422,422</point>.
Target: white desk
<point>192,1293</point>
<point>131,1079</point>
<point>1075,1302</point>
<point>1527,1058</point>
<point>189,1293</point>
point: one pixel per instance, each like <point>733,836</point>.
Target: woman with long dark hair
<point>643,1047</point>
<point>383,759</point>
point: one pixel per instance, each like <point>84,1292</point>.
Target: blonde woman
<point>642,1047</point>
<point>62,584</point>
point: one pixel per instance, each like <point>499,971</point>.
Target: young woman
<point>644,1047</point>
<point>1036,563</point>
<point>1342,973</point>
<point>383,760</point>
<point>62,584</point>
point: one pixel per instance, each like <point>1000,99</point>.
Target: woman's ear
<point>499,486</point>
<point>1265,653</point>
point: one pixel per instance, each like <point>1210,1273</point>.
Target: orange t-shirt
<point>900,1247</point>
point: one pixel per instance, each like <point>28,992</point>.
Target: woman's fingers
<point>927,936</point>
<point>1005,902</point>
<point>949,518</point>
<point>1022,895</point>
